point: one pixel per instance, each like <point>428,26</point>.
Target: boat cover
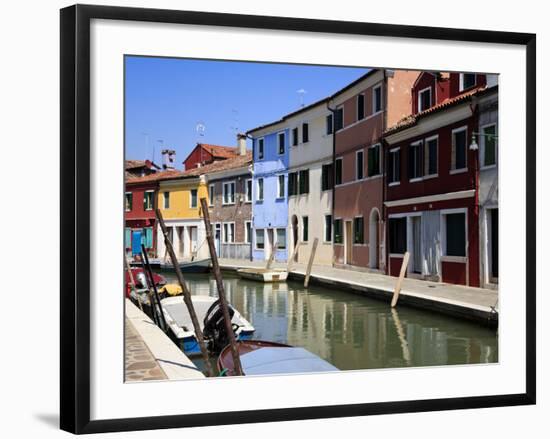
<point>171,289</point>
<point>274,360</point>
<point>178,311</point>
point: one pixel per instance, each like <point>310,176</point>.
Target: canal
<point>349,330</point>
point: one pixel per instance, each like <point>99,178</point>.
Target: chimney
<point>241,143</point>
<point>168,159</point>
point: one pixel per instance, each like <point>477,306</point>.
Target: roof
<point>412,119</point>
<point>217,151</point>
<point>314,104</point>
<point>234,162</point>
<point>158,176</point>
<point>135,164</point>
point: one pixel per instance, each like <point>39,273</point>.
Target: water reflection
<point>351,331</point>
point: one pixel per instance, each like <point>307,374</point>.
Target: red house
<point>139,215</point>
<point>204,154</point>
<point>432,180</point>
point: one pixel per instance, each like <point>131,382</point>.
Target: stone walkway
<point>462,301</point>
<point>139,365</point>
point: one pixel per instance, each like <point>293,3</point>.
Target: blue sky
<point>166,98</point>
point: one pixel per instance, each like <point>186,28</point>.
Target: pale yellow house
<point>179,201</point>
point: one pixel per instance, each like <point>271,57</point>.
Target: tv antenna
<point>235,126</point>
<point>200,128</point>
<point>301,92</point>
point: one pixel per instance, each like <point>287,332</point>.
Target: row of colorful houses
<point>396,161</point>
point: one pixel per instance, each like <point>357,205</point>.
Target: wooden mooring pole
<point>186,295</point>
<point>147,267</point>
<point>294,252</point>
<point>400,279</point>
<point>310,263</point>
<point>221,290</point>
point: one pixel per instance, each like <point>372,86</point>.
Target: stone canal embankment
<point>476,304</point>
<point>150,354</point>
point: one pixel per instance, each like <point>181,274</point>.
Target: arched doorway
<point>374,238</point>
<point>295,235</point>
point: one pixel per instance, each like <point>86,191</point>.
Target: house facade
<point>487,140</point>
<point>139,215</point>
<point>179,202</point>
<point>431,190</point>
<point>359,114</point>
<point>230,200</point>
<point>310,183</point>
<point>270,202</point>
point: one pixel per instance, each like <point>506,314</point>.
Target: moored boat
<point>196,266</point>
<point>263,274</point>
<point>141,280</point>
<point>181,327</point>
<point>259,357</point>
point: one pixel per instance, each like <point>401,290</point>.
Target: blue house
<point>270,197</point>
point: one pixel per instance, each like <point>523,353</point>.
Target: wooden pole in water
<point>400,279</point>
<point>154,286</point>
<point>271,257</point>
<point>310,263</point>
<point>132,281</point>
<point>186,295</point>
<point>291,260</point>
<point>221,290</point>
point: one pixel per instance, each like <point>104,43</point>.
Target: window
<point>489,145</point>
<point>415,160</point>
<point>304,182</point>
<point>280,186</point>
<point>248,232</point>
<point>166,197</point>
<point>248,190</point>
<point>455,234</point>
<point>292,183</point>
<point>458,158</point>
<point>294,137</point>
<point>211,195</point>
<point>359,165</point>
<point>467,80</point>
<point>338,171</point>
<point>394,165</point>
<point>430,156</point>
<point>260,196</point>
<point>305,132</point>
<point>327,177</point>
<point>360,106</point>
<point>228,232</point>
<point>329,124</point>
<point>373,160</point>
<point>339,119</point>
<point>148,198</point>
<point>281,138</point>
<point>377,99</point>
<point>398,235</point>
<point>328,228</point>
<point>424,99</point>
<point>147,237</point>
<point>338,238</point>
<point>128,201</point>
<point>260,149</point>
<point>305,228</point>
<point>281,238</point>
<point>193,198</point>
<point>260,239</point>
<point>358,230</point>
<point>229,193</point>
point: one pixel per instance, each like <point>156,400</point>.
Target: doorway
<point>374,238</point>
<point>193,240</point>
<point>136,242</point>
<point>295,236</point>
<point>218,238</point>
<point>416,243</point>
<point>492,244</point>
<point>348,243</point>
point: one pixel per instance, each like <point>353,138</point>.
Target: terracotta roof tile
<point>222,165</point>
<point>411,120</point>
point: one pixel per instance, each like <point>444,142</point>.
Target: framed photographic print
<point>256,207</point>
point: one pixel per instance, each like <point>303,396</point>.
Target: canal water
<point>349,330</point>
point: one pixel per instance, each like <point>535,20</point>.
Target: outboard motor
<point>214,327</point>
<point>141,280</point>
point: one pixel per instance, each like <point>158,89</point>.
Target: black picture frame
<point>75,217</point>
